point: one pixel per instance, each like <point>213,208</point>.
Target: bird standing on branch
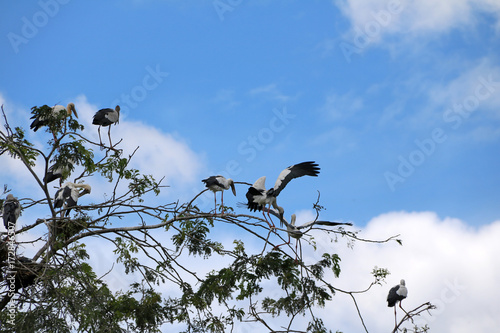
<point>219,184</point>
<point>397,294</point>
<point>258,197</point>
<point>106,117</point>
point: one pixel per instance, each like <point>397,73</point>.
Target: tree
<point>58,290</point>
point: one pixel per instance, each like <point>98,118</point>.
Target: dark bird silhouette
<point>11,210</point>
<point>397,294</point>
<point>106,117</point>
<point>54,173</point>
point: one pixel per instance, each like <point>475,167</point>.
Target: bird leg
<point>99,131</point>
<point>395,320</point>
<point>296,253</point>
<point>283,243</point>
<point>222,202</point>
<point>215,203</point>
<point>404,309</point>
<point>109,136</point>
<point>271,225</point>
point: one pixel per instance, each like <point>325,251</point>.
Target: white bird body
<point>40,121</point>
<point>67,196</point>
<point>258,197</point>
<point>11,209</point>
<point>219,184</point>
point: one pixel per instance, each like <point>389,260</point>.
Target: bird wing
<point>260,183</point>
<point>58,170</point>
<point>392,297</point>
<point>101,117</point>
<point>71,196</point>
<point>10,212</point>
<point>294,171</point>
<point>251,193</point>
<point>59,198</point>
<point>326,223</point>
<point>212,181</point>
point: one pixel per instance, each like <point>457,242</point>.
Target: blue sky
<point>358,103</point>
<point>398,102</point>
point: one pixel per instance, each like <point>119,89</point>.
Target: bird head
<point>71,109</point>
<point>86,189</point>
<point>281,212</point>
<point>117,109</point>
<point>231,183</point>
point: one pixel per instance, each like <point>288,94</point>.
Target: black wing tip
<point>311,167</point>
<point>253,207</point>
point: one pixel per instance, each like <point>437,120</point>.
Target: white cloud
<point>443,261</point>
<point>160,154</point>
<point>480,81</point>
<point>271,91</point>
<point>341,106</point>
<point>385,17</point>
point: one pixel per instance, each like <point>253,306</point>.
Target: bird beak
<point>233,189</point>
<point>76,114</point>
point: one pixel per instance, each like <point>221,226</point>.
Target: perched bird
<point>397,294</point>
<point>219,184</point>
<point>295,231</point>
<point>10,211</point>
<point>40,121</point>
<point>54,173</point>
<point>67,196</point>
<point>106,117</point>
<point>258,197</point>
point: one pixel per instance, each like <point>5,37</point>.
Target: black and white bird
<point>40,121</point>
<point>219,184</point>
<point>397,294</point>
<point>67,196</point>
<point>295,231</point>
<point>106,117</point>
<point>11,210</point>
<point>258,197</point>
<point>54,173</point>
